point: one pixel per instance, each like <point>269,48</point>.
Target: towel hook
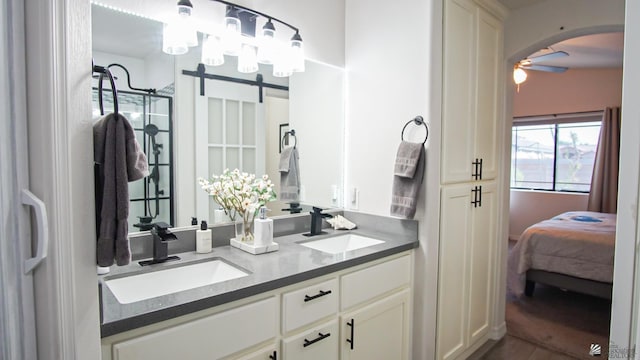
<point>291,132</point>
<point>418,120</point>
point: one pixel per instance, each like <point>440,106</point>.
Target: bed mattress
<point>576,243</point>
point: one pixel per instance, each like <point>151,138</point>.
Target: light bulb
<point>231,40</point>
<point>282,66</point>
<point>172,41</point>
<point>297,53</point>
<point>266,50</point>
<point>247,61</point>
<point>519,75</point>
<point>212,51</point>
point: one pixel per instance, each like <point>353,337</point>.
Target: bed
<point>573,251</point>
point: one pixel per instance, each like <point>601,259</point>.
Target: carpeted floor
<point>559,320</point>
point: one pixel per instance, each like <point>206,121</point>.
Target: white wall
<point>394,68</point>
<point>529,207</point>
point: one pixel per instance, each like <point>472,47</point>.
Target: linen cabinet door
<point>483,246</point>
<point>319,343</point>
<point>488,93</point>
<point>379,331</point>
<point>458,93</point>
<point>453,278</point>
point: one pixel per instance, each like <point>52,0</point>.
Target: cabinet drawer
<point>319,343</point>
<point>212,337</point>
<point>312,303</point>
<point>371,282</point>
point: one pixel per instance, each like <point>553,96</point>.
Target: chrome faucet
<point>161,237</point>
<point>316,221</point>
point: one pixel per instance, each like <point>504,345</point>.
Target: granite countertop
<point>291,264</point>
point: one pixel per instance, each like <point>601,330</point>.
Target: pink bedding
<point>576,243</point>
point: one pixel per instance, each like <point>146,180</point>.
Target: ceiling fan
<point>533,63</point>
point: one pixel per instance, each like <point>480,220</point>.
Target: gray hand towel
<point>119,159</point>
<point>289,175</point>
<point>405,190</point>
<point>407,159</point>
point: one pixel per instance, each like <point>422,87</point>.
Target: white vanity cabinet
<point>308,320</point>
<point>211,337</point>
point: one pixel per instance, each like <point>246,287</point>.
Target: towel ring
<point>292,133</point>
<point>418,120</point>
<point>105,71</point>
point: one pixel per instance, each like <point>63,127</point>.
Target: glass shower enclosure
<point>150,199</point>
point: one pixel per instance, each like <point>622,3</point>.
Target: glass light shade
<point>189,33</point>
<point>231,40</point>
<point>519,75</point>
<point>282,64</point>
<point>172,41</point>
<point>297,54</point>
<point>212,51</point>
<point>267,47</point>
<point>247,61</point>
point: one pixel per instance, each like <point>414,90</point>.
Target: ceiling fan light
<point>519,75</point>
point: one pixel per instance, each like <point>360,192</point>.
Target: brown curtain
<point>603,196</point>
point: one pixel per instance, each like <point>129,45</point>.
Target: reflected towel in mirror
<point>289,174</point>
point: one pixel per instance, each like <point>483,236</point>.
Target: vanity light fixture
<point>237,37</point>
<point>179,34</point>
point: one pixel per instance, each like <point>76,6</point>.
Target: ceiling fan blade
<point>547,68</point>
<point>546,57</point>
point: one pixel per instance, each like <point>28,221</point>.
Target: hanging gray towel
<point>407,159</point>
<point>289,175</point>
<point>119,159</point>
<point>405,189</point>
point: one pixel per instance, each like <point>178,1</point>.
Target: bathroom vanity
<point>351,302</point>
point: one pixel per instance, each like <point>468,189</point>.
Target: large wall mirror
<point>187,135</point>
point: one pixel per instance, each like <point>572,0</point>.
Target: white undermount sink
<point>148,285</point>
<point>342,243</point>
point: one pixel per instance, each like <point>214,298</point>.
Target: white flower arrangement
<point>240,193</point>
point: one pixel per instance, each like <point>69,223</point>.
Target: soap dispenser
<point>263,229</point>
<point>203,239</point>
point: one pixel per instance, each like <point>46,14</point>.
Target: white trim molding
<point>58,45</point>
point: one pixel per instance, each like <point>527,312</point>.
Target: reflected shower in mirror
<point>227,127</point>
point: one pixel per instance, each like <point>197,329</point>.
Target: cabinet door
<point>480,262</point>
<point>377,331</point>
<point>455,227</point>
<point>458,93</point>
<point>212,337</point>
<point>270,352</point>
<point>489,80</point>
<point>319,343</point>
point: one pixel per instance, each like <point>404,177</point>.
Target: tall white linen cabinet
<point>472,99</point>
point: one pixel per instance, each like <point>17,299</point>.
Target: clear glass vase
<point>244,229</point>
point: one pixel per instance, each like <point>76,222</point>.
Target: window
<point>554,154</point>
